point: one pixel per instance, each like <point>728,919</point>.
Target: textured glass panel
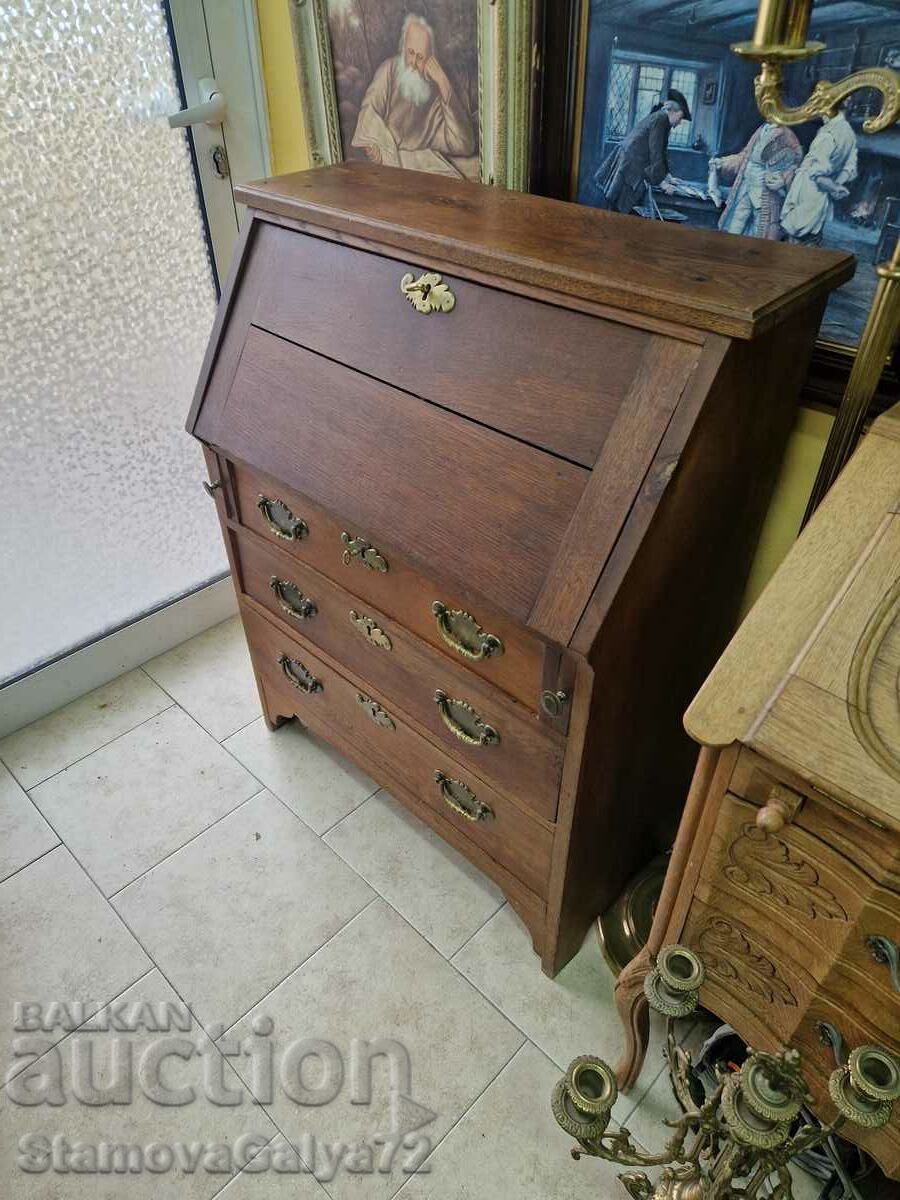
<point>686,83</point>
<point>106,301</point>
<point>619,99</point>
<point>649,90</point>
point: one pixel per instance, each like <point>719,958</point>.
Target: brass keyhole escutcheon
<point>428,293</point>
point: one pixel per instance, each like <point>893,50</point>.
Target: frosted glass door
<point>106,302</point>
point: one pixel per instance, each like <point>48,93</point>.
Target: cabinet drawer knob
<point>428,293</point>
<point>291,599</point>
<point>361,550</point>
<point>299,676</point>
<point>462,799</point>
<point>280,520</point>
<point>464,722</point>
<point>887,953</point>
<point>211,488</point>
<point>779,809</point>
<point>370,631</point>
<point>374,711</point>
<point>463,634</point>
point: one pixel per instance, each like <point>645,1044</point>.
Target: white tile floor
<point>160,845</point>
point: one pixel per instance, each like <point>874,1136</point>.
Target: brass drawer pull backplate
<point>374,711</point>
<point>428,293</point>
<point>280,519</point>
<point>462,799</point>
<point>370,631</point>
<point>299,676</point>
<point>291,599</point>
<point>464,722</point>
<point>364,552</point>
<point>463,634</point>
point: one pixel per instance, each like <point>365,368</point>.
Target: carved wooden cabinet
<point>785,877</point>
<point>490,469</point>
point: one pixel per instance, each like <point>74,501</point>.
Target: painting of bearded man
<point>407,83</point>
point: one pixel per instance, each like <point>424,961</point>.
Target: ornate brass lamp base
<point>740,1137</point>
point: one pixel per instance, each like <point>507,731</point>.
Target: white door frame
<point>220,39</point>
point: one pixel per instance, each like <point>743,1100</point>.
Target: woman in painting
<point>641,160</point>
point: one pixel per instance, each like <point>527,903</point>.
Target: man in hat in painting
<point>760,176</point>
<point>641,159</point>
<point>411,106</point>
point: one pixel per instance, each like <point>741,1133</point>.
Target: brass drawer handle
<point>463,634</point>
<point>887,954</point>
<point>464,722</point>
<point>370,631</point>
<point>374,711</point>
<point>462,799</point>
<point>291,599</point>
<point>364,552</point>
<point>280,519</point>
<point>428,293</point>
<point>300,677</point>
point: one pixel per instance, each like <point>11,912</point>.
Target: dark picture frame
<point>562,31</point>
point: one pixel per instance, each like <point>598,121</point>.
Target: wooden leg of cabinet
<point>634,1013</point>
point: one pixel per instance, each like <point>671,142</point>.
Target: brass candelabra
<point>780,38</point>
<point>741,1136</point>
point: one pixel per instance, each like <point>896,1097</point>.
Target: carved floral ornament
<point>766,866</point>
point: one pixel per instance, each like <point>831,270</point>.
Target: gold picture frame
<point>505,49</point>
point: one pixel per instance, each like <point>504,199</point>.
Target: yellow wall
<point>795,481</point>
<point>287,132</point>
<point>290,153</point>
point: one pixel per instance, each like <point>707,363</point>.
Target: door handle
<point>211,109</point>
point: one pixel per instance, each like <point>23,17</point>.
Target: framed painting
<point>429,85</point>
<point>628,80</point>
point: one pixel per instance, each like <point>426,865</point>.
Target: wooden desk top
<point>700,278</point>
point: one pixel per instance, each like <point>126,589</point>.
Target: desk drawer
<point>871,847</point>
<point>504,831</point>
<point>809,901</point>
<point>517,754</point>
<point>521,666</point>
<point>502,359</point>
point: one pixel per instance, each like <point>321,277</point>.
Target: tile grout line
<point>515,1054</point>
<point>450,957</point>
<point>37,857</point>
<point>40,782</point>
<point>11,1075</point>
<point>186,710</point>
<point>178,849</point>
<point>299,965</point>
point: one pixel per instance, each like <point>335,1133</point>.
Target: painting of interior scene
<point>671,132</point>
<point>406,77</point>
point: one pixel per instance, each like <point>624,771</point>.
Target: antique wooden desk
<point>785,877</point>
<point>490,469</point>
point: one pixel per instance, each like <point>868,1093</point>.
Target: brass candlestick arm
<point>740,1137</point>
<point>780,38</point>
